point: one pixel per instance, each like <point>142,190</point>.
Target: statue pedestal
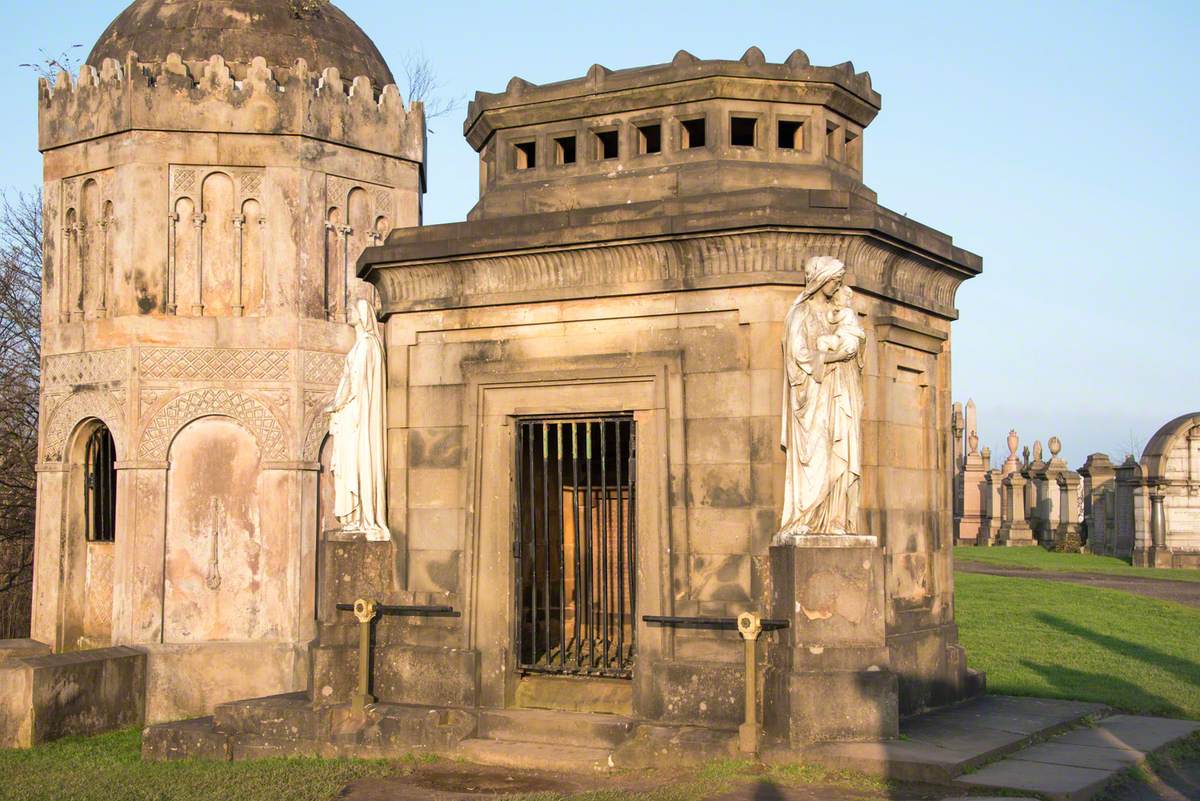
<point>828,674</point>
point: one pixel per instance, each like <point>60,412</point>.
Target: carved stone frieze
<point>93,367</point>
<point>322,368</point>
<point>872,266</point>
<point>104,406</point>
<point>234,364</point>
<point>249,411</point>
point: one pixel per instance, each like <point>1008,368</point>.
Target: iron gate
<point>575,544</point>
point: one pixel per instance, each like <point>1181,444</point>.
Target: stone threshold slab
<point>939,746</point>
<point>1079,764</point>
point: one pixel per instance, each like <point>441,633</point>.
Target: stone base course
<point>45,696</point>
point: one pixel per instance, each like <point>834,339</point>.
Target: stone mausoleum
<point>584,379</point>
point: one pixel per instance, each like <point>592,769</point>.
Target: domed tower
<point>211,176</point>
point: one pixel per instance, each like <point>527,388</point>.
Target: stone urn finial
<point>1055,446</point>
<point>1013,442</point>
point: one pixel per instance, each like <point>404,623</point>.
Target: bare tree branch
<point>49,66</point>
<point>423,85</point>
<point>20,353</point>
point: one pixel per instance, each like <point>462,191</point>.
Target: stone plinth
<point>972,527</point>
<point>828,675</point>
<point>1097,474</point>
<point>1014,529</point>
<point>1066,532</point>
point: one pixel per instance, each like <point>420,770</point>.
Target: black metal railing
<point>679,621</point>
<point>576,545</point>
<point>410,611</point>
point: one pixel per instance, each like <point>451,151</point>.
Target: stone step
<point>938,746</point>
<point>184,739</point>
<point>289,716</point>
<point>555,727</point>
<point>543,756</point>
<point>1079,764</point>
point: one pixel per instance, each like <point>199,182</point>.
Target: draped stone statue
<point>822,406</point>
<point>358,425</point>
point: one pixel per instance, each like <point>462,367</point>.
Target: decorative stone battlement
<point>214,97</point>
<point>689,127</point>
<point>804,83</point>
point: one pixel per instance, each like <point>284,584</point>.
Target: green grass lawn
<point>1061,640</point>
<point>1036,558</point>
<point>109,767</point>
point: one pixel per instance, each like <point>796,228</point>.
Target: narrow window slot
<point>564,147</point>
<point>526,155</point>
<point>607,144</point>
<point>742,131</point>
<point>650,138</point>
<point>791,135</point>
<point>693,133</point>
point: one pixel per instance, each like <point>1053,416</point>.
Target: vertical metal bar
<point>620,554</point>
<point>604,560</point>
<point>562,557</point>
<point>546,536</point>
<point>533,555</point>
<point>108,487</point>
<point>587,523</point>
<point>88,477</point>
<point>575,529</point>
<point>519,540</point>
<point>632,538</point>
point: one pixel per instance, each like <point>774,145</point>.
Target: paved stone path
<point>1077,765</point>
<point>1183,592</point>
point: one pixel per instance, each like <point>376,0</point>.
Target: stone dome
<point>280,31</point>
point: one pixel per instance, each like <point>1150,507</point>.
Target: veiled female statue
<point>358,425</point>
<point>822,406</point>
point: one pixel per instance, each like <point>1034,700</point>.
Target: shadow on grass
<point>1104,688</point>
<point>1185,669</point>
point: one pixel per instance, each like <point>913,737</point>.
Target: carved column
<point>80,251</point>
<point>1160,554</point>
<point>102,307</point>
<point>262,260</point>
<point>346,232</point>
<point>172,220</point>
<point>198,305</point>
<point>239,222</point>
<point>64,279</point>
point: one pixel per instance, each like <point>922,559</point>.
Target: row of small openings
<point>743,132</point>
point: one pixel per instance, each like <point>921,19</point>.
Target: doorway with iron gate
<point>575,545</point>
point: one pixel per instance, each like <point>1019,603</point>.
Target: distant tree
<point>424,85</point>
<point>49,66</point>
<point>20,350</point>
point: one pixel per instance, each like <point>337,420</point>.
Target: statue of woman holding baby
<point>822,406</point>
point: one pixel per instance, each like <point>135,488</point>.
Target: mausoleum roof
<point>280,31</point>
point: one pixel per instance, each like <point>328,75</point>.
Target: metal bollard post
<point>750,626</point>
<point>364,610</point>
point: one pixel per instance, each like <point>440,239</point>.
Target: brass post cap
<point>750,625</point>
<point>364,610</point>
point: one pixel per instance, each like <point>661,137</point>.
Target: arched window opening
<point>100,486</point>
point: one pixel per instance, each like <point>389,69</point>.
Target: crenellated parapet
<point>690,79</point>
<point>214,97</point>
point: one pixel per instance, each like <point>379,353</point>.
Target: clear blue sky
<point>1057,140</point>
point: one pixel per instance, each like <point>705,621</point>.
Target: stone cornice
<point>758,237</point>
<point>744,258</point>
